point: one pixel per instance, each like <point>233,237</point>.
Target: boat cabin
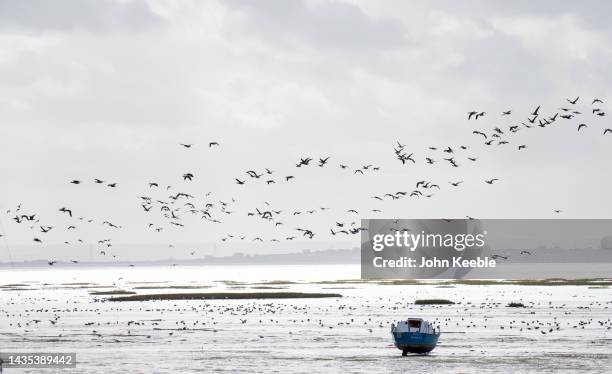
<point>414,325</point>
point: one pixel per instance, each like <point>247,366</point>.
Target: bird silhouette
<point>499,256</point>
<point>573,101</point>
<point>303,162</point>
<point>480,133</point>
<point>254,174</point>
<point>66,210</point>
<point>475,114</point>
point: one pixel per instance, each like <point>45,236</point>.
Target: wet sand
<point>558,329</point>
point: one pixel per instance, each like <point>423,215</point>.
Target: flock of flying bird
<point>172,206</point>
<point>535,119</point>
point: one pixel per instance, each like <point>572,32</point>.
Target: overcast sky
<point>108,89</point>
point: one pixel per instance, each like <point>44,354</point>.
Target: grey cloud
<point>275,81</point>
<point>73,15</point>
<point>326,24</point>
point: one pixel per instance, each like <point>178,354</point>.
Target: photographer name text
<point>434,262</point>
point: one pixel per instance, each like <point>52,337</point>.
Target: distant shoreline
<point>332,257</point>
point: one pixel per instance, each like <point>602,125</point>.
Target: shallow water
<point>348,334</point>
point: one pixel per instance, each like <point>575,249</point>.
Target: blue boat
<point>414,335</point>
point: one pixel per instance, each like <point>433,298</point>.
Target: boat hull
<point>415,342</point>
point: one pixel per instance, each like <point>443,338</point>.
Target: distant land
<point>330,256</point>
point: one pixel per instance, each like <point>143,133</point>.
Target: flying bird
<point>475,114</point>
<point>479,133</point>
<point>499,256</point>
<point>66,210</point>
<point>303,162</point>
<point>253,174</point>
